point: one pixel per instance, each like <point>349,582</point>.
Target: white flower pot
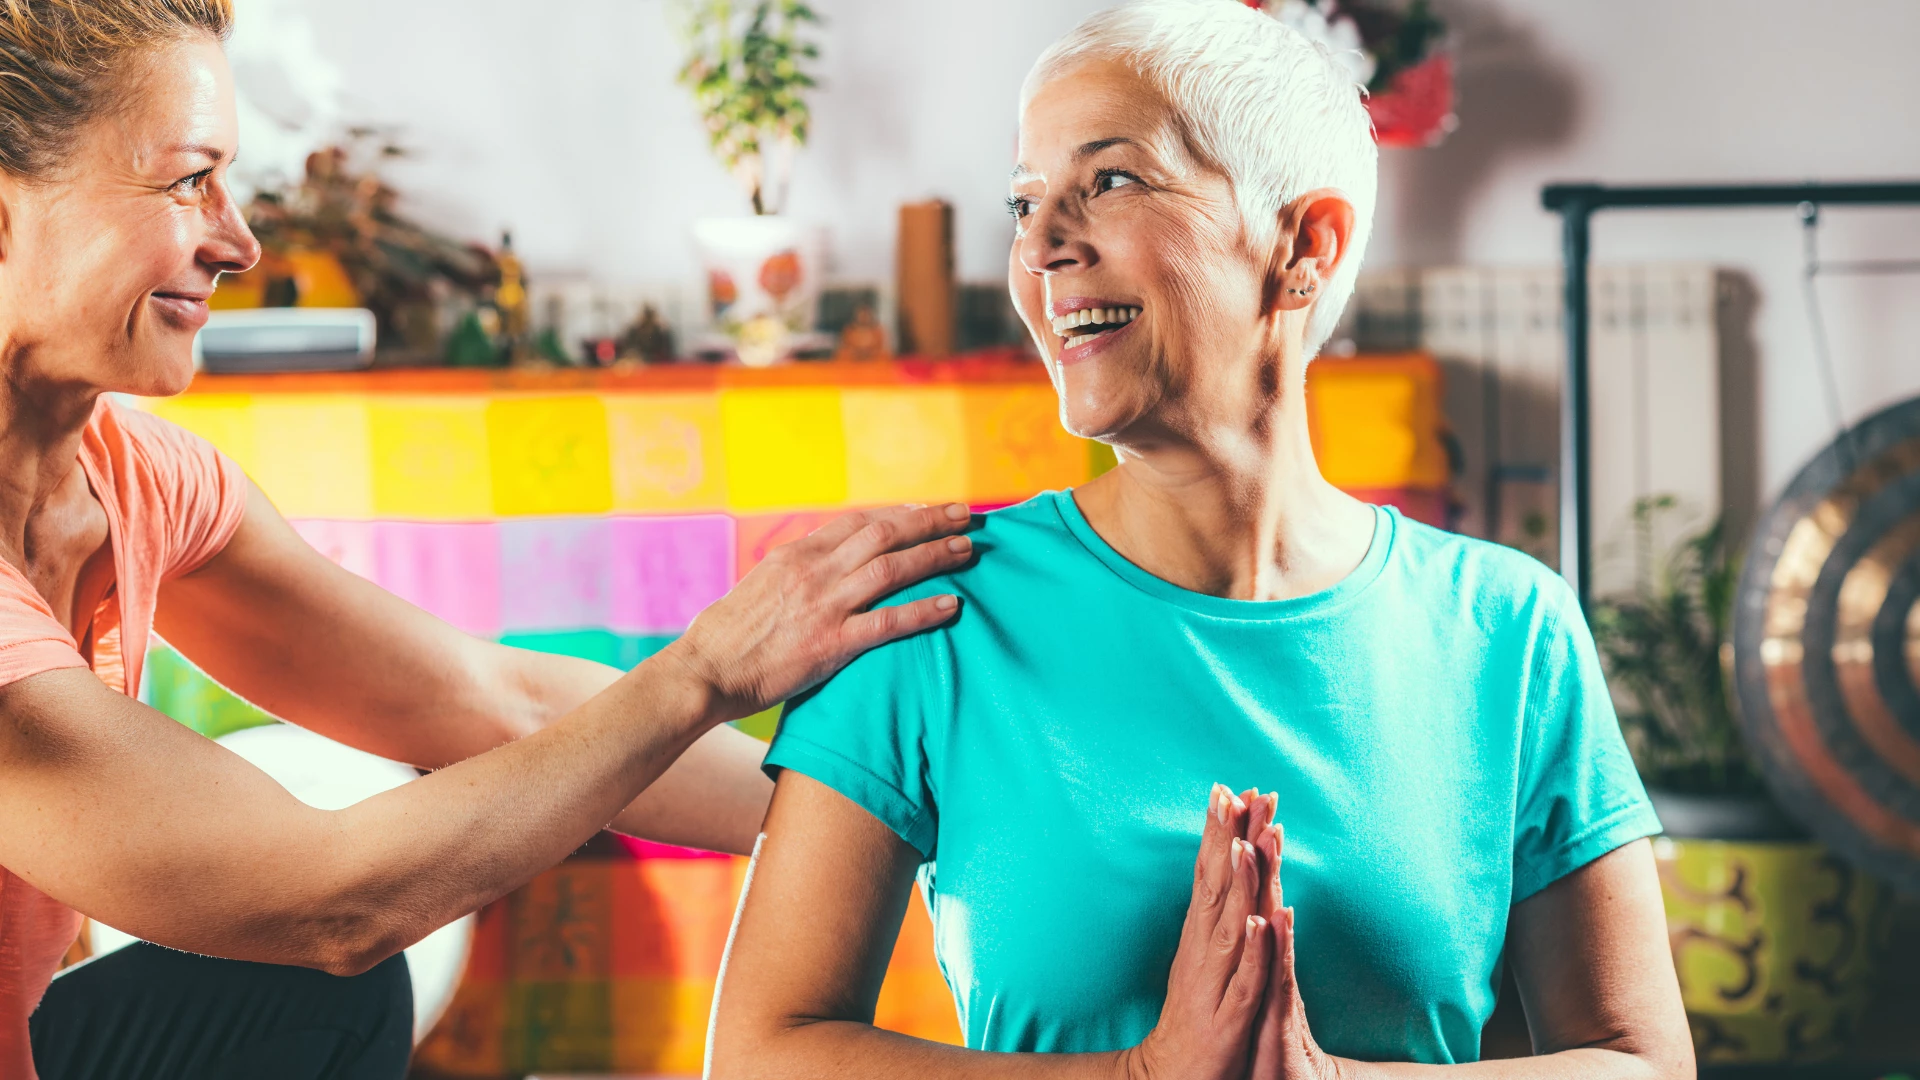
<point>762,281</point>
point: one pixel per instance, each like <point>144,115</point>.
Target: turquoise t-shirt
<point>1436,726</point>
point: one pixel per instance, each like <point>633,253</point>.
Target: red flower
<point>780,273</point>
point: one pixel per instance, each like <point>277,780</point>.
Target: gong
<point>1827,645</point>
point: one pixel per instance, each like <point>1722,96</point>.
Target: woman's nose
<point>229,246</point>
<point>1054,242</point>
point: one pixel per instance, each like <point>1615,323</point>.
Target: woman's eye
<point>1107,181</point>
<point>192,184</point>
<point>1019,206</point>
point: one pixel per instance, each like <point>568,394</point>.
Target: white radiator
<point>1655,396</point>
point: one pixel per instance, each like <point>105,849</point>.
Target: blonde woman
<point>116,132</point>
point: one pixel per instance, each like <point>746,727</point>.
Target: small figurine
<point>511,297</point>
<point>648,338</point>
<point>863,339</point>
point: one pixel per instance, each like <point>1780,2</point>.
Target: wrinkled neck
<point>1233,507</point>
<point>41,427</point>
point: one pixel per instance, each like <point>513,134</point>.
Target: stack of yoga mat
<point>594,514</point>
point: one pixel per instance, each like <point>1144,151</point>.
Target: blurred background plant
<point>747,67</point>
<point>1666,649</point>
<point>342,221</point>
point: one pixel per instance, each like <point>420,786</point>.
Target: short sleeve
<point>1580,796</point>
<point>866,734</point>
<point>204,493</point>
<point>31,639</point>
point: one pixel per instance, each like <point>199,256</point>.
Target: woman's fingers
<point>1229,931</point>
<point>1202,1032</point>
<point>804,611</point>
<point>877,627</point>
<point>1240,1005</point>
<point>1272,843</point>
<point>1260,812</point>
<point>889,573</point>
<point>1214,869</point>
<point>894,529</point>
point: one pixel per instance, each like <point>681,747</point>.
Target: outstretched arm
<point>818,918</point>
<point>131,818</point>
<point>285,628</point>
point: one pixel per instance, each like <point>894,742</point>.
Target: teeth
<point>1113,316</point>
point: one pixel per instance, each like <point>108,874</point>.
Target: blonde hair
<point>62,64</point>
<point>1272,110</point>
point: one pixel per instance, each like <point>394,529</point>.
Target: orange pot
<point>306,278</point>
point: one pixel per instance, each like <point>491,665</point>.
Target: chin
<point>1099,408</point>
<point>159,372</point>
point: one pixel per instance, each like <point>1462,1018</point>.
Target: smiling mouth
<point>1084,326</point>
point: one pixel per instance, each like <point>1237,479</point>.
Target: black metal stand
<point>1576,204</point>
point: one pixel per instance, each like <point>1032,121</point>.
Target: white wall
<point>561,119</point>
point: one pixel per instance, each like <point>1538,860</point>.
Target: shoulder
<point>1015,549</point>
<point>181,495</point>
<point>133,447</point>
<point>1492,585</point>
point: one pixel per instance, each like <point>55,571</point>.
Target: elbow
<point>739,1046</point>
<point>344,944</point>
<point>347,962</point>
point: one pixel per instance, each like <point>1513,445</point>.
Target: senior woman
<point>1192,202</point>
<point>116,131</point>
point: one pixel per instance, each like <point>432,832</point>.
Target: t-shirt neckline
<point>1379,550</point>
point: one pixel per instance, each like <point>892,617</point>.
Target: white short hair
<point>1271,109</point>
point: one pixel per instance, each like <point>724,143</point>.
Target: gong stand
<point>1576,204</point>
<point>1826,619</point>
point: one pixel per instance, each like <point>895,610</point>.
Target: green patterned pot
<point>1775,943</point>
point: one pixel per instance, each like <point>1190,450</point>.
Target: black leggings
<point>150,1012</point>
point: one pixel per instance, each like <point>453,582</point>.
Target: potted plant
<point>338,238</point>
<point>748,68</point>
<point>1397,51</point>
<point>1773,937</point>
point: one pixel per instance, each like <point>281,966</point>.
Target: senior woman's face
<point>1129,265</point>
<point>108,264</point>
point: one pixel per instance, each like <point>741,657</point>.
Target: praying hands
<point>1233,1005</point>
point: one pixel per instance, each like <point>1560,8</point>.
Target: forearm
<point>848,1050</point>
<point>1586,1063</point>
<point>414,858</point>
<point>714,797</point>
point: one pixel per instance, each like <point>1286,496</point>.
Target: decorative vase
<point>295,279</point>
<point>762,282</point>
<point>1775,939</point>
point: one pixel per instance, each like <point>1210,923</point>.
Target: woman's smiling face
<point>109,263</point>
<point>1130,266</point>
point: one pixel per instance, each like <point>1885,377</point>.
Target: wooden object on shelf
<point>925,279</point>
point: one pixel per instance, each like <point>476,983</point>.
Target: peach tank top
<point>172,502</point>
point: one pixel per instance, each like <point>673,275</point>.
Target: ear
<point>1311,241</point>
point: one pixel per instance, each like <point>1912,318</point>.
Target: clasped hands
<point>1233,1009</point>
